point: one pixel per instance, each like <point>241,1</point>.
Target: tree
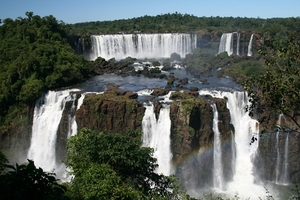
<point>28,182</point>
<point>278,90</point>
<point>115,166</point>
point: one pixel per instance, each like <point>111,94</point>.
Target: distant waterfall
<point>226,44</point>
<point>218,168</point>
<point>250,46</point>
<point>47,115</point>
<point>120,46</point>
<point>238,44</point>
<point>156,134</point>
<point>246,128</point>
<point>231,42</point>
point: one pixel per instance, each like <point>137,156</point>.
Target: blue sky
<point>73,11</point>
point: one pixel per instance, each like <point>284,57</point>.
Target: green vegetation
<point>278,89</point>
<point>35,56</point>
<point>114,166</point>
<point>28,182</point>
<point>177,22</point>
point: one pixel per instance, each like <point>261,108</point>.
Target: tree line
<point>177,22</point>
<point>35,56</point>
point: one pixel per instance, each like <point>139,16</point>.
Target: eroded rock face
<point>64,129</point>
<point>110,112</point>
<point>191,128</point>
<point>277,150</point>
<point>192,138</point>
<point>15,137</point>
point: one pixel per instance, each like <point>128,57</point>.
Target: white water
<point>218,179</point>
<point>156,134</point>
<point>243,181</point>
<point>285,178</point>
<point>226,44</point>
<point>121,46</point>
<point>250,46</point>
<point>72,120</point>
<point>46,119</point>
<point>278,159</point>
<point>238,44</point>
<point>282,167</point>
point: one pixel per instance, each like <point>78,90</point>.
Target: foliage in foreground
<point>115,166</point>
<point>28,182</point>
<point>278,89</point>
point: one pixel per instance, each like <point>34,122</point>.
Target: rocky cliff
<point>192,135</point>
<point>192,120</point>
<point>113,111</point>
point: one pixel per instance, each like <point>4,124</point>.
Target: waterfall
<point>47,116</point>
<point>246,128</point>
<point>278,160</point>
<point>238,44</point>
<point>250,46</point>
<point>73,127</point>
<point>285,178</point>
<point>218,168</point>
<point>226,44</point>
<point>156,134</point>
<point>142,45</point>
<point>281,167</point>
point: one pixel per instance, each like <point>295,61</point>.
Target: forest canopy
<point>35,56</point>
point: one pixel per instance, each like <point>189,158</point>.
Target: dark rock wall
<point>64,129</point>
<point>266,161</point>
<point>192,139</point>
<point>16,136</point>
<point>110,113</point>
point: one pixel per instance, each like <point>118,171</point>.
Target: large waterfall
<point>121,46</point>
<point>51,107</point>
<point>218,168</point>
<point>246,128</point>
<point>156,134</point>
<point>47,116</point>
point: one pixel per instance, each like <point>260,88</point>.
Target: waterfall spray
<point>246,128</point>
<point>218,168</point>
<point>156,134</point>
<point>47,116</point>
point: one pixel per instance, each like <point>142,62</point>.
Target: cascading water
<point>238,44</point>
<point>246,128</point>
<point>226,44</point>
<point>47,115</point>
<point>278,160</point>
<point>218,178</point>
<point>250,46</point>
<point>156,134</point>
<point>285,178</point>
<point>142,45</point>
<point>282,163</point>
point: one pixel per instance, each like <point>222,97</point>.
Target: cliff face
<point>16,136</point>
<point>192,138</point>
<point>112,111</point>
<point>191,127</point>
